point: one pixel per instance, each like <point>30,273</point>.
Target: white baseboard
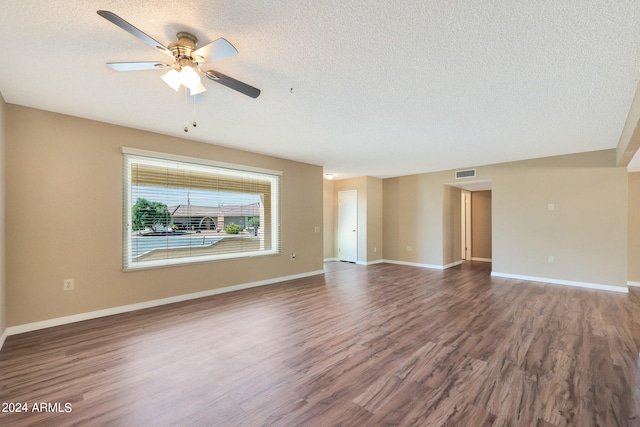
<point>331,260</point>
<point>633,284</point>
<point>453,264</point>
<point>3,338</point>
<point>563,282</point>
<point>413,264</point>
<point>14,330</point>
<point>416,264</point>
<point>481,259</point>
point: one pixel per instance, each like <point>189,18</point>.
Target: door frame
<point>465,224</point>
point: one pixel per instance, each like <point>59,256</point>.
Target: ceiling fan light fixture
<point>189,77</point>
<point>172,78</point>
<point>196,90</point>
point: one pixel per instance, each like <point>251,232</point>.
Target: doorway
<point>471,222</point>
<point>476,225</point>
<point>348,225</point>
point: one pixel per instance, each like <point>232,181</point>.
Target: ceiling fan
<point>187,60</point>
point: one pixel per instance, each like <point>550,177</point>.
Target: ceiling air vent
<point>469,173</point>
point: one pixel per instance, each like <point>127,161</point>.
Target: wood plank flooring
<point>360,346</point>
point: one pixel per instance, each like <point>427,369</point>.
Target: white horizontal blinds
<point>177,212</point>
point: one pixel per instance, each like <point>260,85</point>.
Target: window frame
<point>132,156</point>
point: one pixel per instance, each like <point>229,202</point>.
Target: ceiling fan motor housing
<point>183,49</point>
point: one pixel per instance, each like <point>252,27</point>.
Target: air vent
<point>469,173</point>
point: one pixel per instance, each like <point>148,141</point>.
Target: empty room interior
<point>320,213</point>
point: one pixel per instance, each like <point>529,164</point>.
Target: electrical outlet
<point>375,249</point>
<point>409,248</point>
<point>551,259</point>
<point>68,285</point>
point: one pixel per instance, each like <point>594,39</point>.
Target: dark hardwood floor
<point>360,346</point>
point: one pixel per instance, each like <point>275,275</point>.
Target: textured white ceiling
<point>372,87</point>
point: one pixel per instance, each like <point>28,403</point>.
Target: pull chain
<point>193,100</point>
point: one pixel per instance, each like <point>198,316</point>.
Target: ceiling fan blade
<point>232,83</point>
<point>115,19</point>
<point>216,50</point>
<point>137,66</point>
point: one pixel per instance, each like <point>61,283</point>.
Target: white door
<point>348,225</point>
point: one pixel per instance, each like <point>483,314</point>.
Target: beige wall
<point>413,222</point>
<point>328,221</point>
<point>481,225</point>
<point>375,244</point>
<point>451,225</point>
<point>634,227</point>
<point>64,219</point>
<point>369,216</point>
<point>3,308</point>
<point>586,233</point>
<point>374,220</point>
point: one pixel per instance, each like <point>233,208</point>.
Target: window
<point>181,210</point>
